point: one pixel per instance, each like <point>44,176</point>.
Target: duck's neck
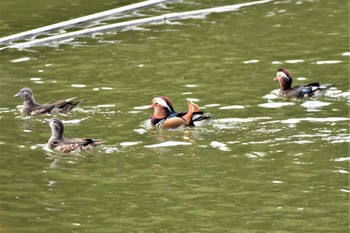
<point>57,133</point>
<point>160,113</point>
<point>29,101</point>
<point>285,85</point>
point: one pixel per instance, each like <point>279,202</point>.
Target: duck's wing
<point>301,91</point>
<point>39,110</point>
<point>315,89</point>
<point>171,123</point>
<point>76,144</point>
<point>63,105</point>
<point>198,118</point>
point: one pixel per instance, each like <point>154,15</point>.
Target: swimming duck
<point>59,143</point>
<point>33,108</point>
<point>164,115</point>
<point>308,90</point>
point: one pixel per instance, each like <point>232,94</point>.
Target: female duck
<point>33,108</point>
<point>59,143</point>
<point>308,90</point>
<point>164,115</point>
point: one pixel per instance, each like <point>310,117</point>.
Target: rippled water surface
<point>263,164</point>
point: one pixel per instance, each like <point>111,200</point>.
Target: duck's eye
<point>156,103</point>
<point>54,122</point>
<point>22,91</point>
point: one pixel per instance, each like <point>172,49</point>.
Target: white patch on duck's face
<point>281,74</point>
<point>53,125</point>
<point>161,102</point>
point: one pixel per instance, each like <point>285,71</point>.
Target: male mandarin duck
<point>164,115</point>
<point>308,90</point>
<point>59,143</point>
<point>33,108</point>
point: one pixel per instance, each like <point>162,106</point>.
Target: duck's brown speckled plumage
<point>307,90</point>
<point>59,143</point>
<point>31,107</point>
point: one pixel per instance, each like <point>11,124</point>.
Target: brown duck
<point>31,107</point>
<point>308,90</point>
<point>59,143</point>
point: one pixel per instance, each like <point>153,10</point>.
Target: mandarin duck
<point>59,143</point>
<point>33,108</point>
<point>164,115</point>
<point>307,90</point>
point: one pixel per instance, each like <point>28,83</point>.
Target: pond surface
<point>263,164</point>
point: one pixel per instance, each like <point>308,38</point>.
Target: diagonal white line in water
<point>71,22</point>
<point>131,23</point>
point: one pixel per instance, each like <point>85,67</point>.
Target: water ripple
<point>275,104</point>
<point>22,59</point>
<point>219,145</point>
<point>328,62</point>
<point>232,107</point>
<point>309,119</point>
<point>130,143</point>
<point>169,143</point>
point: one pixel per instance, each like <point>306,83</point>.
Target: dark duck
<point>308,90</point>
<point>59,143</point>
<point>31,107</point>
<point>166,117</point>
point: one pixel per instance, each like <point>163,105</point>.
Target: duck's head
<point>284,78</point>
<point>56,125</point>
<point>24,92</point>
<point>162,107</point>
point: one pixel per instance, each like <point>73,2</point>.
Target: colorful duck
<point>33,108</point>
<point>59,143</point>
<point>308,90</point>
<point>164,115</point>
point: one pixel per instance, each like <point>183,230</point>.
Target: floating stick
<point>131,23</point>
<point>71,22</point>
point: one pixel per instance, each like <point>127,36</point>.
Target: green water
<point>264,164</point>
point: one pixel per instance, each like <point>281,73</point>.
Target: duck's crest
<point>167,103</point>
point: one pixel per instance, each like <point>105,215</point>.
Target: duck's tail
<point>74,104</point>
<point>321,90</point>
<point>200,118</point>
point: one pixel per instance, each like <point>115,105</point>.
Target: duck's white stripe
<point>159,124</point>
<point>163,103</point>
